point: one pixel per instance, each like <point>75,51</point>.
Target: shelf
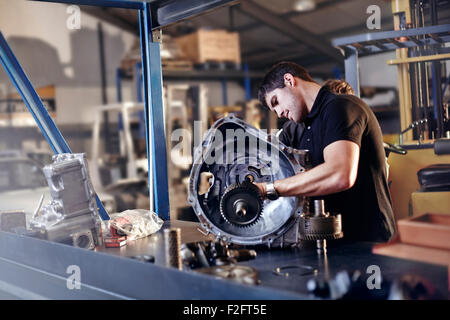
<point>210,74</point>
<point>377,42</point>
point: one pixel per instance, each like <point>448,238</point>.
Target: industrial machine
<point>232,157</point>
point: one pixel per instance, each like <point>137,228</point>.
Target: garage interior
<point>109,110</point>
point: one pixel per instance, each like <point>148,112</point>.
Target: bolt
<point>172,239</point>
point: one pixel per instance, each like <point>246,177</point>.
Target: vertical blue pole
<point>138,82</point>
<point>154,116</point>
<point>337,72</point>
<point>119,96</point>
<point>247,84</point>
<point>437,98</point>
<point>224,93</point>
<point>119,85</point>
<point>142,129</point>
<point>36,107</point>
<point>352,69</point>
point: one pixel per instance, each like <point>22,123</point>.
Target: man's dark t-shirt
<point>366,207</point>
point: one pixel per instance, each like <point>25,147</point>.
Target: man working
<point>345,143</point>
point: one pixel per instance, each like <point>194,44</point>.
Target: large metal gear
<point>321,228</point>
<point>241,204</point>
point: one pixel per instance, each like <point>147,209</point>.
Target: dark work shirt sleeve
<point>344,120</point>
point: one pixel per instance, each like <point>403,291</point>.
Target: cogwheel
<point>319,236</point>
<point>241,204</point>
<point>321,228</point>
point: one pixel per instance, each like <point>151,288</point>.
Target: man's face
<point>287,103</point>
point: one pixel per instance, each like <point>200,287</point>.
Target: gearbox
<point>232,156</point>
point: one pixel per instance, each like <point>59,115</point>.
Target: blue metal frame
<point>386,41</point>
<point>36,107</point>
<point>142,129</point>
<point>139,81</point>
<point>247,83</point>
<point>224,92</point>
<point>352,69</point>
<point>126,4</point>
<point>164,12</point>
<point>377,42</point>
<point>154,115</point>
<point>119,84</point>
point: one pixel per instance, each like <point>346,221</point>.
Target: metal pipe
<point>154,116</point>
<point>319,211</point>
<point>119,84</point>
<point>101,46</point>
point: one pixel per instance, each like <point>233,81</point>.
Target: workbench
<point>38,269</point>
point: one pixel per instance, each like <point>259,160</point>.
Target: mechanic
<point>345,143</point>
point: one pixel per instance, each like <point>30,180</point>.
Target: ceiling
<point>272,31</point>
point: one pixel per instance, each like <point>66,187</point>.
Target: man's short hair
<point>274,79</point>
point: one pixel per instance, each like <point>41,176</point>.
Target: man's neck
<point>309,91</point>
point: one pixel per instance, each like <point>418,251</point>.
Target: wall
<point>51,54</point>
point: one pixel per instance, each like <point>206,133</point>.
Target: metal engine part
<point>207,254</point>
<point>241,204</point>
<point>232,155</point>
<point>71,216</point>
<point>321,226</point>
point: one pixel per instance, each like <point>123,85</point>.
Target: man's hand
<point>262,188</point>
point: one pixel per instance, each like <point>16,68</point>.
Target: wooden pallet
<point>179,65</point>
<point>218,65</point>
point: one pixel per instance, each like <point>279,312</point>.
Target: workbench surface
<point>301,264</point>
<point>109,273</point>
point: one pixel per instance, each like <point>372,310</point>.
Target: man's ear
<point>289,80</point>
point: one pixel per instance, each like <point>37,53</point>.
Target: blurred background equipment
<point>71,216</point>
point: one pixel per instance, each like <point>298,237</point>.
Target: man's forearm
<point>321,180</point>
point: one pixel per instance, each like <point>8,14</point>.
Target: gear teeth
<point>245,188</point>
<point>321,228</point>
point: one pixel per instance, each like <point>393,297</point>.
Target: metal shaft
<point>319,208</point>
<point>321,246</point>
<point>319,211</point>
<point>241,208</point>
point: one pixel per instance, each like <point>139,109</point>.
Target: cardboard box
<point>428,230</point>
<point>210,45</point>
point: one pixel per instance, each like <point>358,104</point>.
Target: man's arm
<point>336,174</point>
